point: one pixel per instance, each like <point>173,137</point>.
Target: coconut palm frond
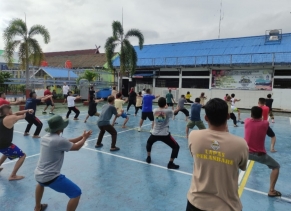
<point>136,33</point>
<point>110,46</point>
<point>22,55</point>
<point>17,27</point>
<point>117,29</point>
<point>39,30</point>
<point>9,51</point>
<point>35,52</point>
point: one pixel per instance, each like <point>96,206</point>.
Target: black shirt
<point>91,93</point>
<point>92,107</point>
<point>132,96</point>
<point>6,135</point>
<point>269,103</point>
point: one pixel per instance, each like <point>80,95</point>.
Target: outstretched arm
<point>45,98</point>
<point>97,101</point>
<point>157,96</point>
<point>80,141</point>
<point>10,120</point>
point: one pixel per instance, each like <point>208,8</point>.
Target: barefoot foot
<point>16,177</point>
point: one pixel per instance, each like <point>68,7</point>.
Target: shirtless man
<point>7,148</point>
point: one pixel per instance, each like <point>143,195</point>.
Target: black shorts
<point>270,132</point>
<point>170,104</point>
<point>49,103</point>
<point>65,96</point>
<point>145,115</point>
<point>92,113</point>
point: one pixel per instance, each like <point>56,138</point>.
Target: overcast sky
<point>80,24</point>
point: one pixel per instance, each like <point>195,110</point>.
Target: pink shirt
<point>255,134</point>
<point>265,112</point>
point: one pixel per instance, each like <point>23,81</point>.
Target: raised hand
<point>87,134</point>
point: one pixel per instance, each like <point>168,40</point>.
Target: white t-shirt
<point>66,89</point>
<point>143,93</point>
<point>71,101</point>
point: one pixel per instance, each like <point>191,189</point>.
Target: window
<point>282,72</point>
<point>282,83</point>
<point>143,80</point>
<point>195,73</point>
<point>168,73</point>
<point>195,83</point>
<point>167,82</point>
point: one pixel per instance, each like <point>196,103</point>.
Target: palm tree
<point>127,56</point>
<point>89,75</point>
<point>29,52</point>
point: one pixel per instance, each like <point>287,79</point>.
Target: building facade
<point>249,67</point>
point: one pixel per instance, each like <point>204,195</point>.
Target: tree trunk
<point>120,82</point>
<point>27,75</point>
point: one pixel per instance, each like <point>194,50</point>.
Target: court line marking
<point>290,120</point>
<point>266,194</point>
<point>137,161</point>
<point>22,122</point>
<point>13,161</point>
<point>242,173</point>
<point>245,178</point>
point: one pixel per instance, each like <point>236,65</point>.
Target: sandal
<point>42,207</point>
<point>114,149</point>
<point>98,146</point>
<point>277,194</point>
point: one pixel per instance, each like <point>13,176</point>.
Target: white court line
<point>22,122</point>
<point>290,120</point>
<point>137,161</point>
<point>266,194</point>
<point>242,174</point>
<point>13,161</point>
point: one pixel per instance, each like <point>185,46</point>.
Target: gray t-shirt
<point>181,103</point>
<point>106,114</point>
<point>161,121</point>
<point>52,151</point>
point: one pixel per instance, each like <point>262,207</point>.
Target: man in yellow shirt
<point>188,96</point>
<point>118,105</point>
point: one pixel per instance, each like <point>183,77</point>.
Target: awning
<point>143,75</point>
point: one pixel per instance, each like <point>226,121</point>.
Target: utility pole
<point>220,19</point>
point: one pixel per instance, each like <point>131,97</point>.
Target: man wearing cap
<point>7,148</point>
<point>52,151</point>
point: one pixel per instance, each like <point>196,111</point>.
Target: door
<point>125,89</point>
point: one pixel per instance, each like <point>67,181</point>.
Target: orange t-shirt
<point>265,112</point>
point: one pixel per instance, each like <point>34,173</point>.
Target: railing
<point>230,60</point>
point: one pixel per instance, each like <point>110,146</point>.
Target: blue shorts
<point>124,115</point>
<point>12,152</point>
<point>62,184</point>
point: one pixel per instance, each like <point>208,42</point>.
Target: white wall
<point>282,99</point>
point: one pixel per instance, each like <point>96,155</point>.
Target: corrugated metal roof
<point>243,50</point>
<point>58,72</point>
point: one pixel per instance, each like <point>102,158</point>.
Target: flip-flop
<point>114,149</point>
<point>277,194</point>
<point>98,146</point>
<point>42,207</point>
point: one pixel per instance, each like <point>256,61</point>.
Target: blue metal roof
<point>59,72</point>
<point>251,50</point>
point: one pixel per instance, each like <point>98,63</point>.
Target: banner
<point>242,79</point>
